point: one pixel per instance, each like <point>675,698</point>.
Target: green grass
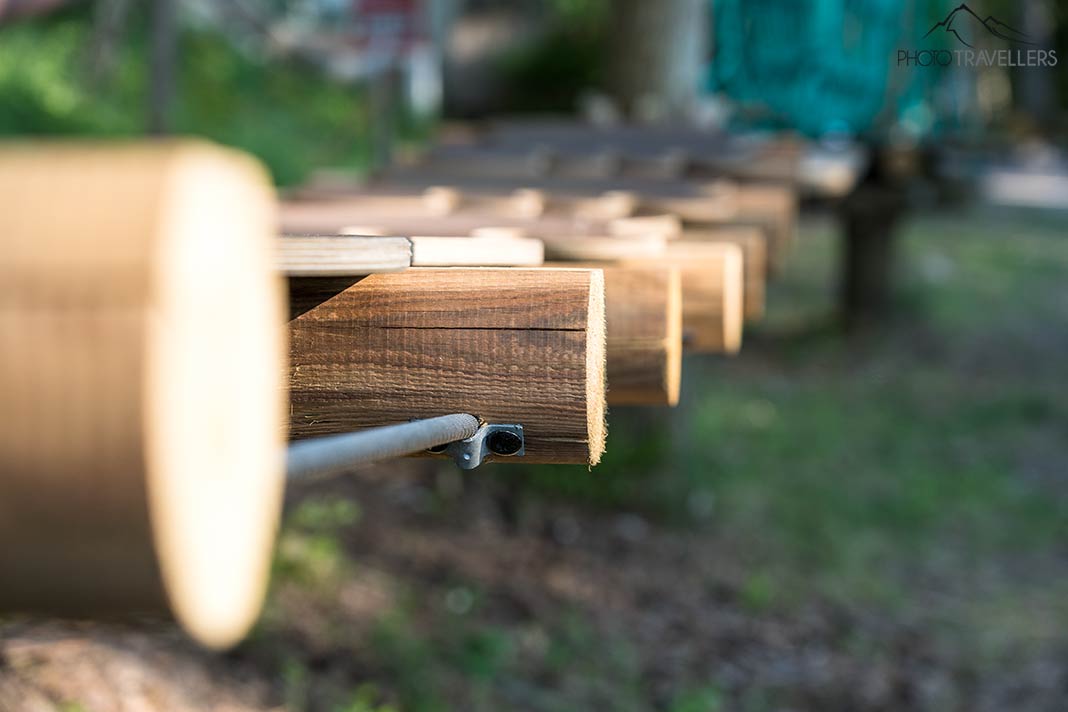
<point>842,461</point>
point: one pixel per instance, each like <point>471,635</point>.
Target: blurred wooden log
<point>142,328</point>
<point>520,346</point>
<point>754,244</point>
<point>359,215</point>
<point>712,294</point>
<point>773,208</point>
<point>643,307</point>
<point>514,240</point>
<point>434,200</point>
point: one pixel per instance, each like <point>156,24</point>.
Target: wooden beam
<point>520,346</point>
<point>563,238</point>
<point>142,333</point>
<point>754,244</point>
<point>643,305</point>
<point>712,294</point>
<point>774,208</point>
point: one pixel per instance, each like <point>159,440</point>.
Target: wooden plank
<point>690,200</point>
<point>348,216</point>
<point>480,251</point>
<point>516,242</point>
<point>712,294</point>
<point>357,255</point>
<point>520,346</point>
<point>643,305</point>
<point>342,255</point>
<point>754,244</point>
<point>609,249</point>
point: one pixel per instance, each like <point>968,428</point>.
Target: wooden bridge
<point>168,325</point>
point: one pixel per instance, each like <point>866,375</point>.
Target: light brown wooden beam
<point>754,244</point>
<point>712,294</point>
<point>771,207</point>
<point>520,346</point>
<point>142,340</point>
<point>643,305</point>
<point>774,208</point>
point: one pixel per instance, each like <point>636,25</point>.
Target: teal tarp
<point>827,66</point>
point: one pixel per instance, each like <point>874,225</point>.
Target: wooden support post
<point>643,305</point>
<point>712,294</point>
<point>142,333</point>
<point>775,209</point>
<point>754,244</point>
<point>522,346</point>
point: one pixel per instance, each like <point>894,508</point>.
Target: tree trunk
<point>869,218</point>
<point>164,41</point>
<point>657,54</point>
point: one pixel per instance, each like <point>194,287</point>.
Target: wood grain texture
<point>754,244</point>
<point>712,294</point>
<point>142,457</point>
<point>643,306</point>
<point>507,345</point>
<point>341,255</point>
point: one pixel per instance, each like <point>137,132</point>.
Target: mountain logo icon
<point>964,24</point>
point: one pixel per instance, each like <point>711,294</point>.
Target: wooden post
<point>522,346</point>
<point>712,294</point>
<point>775,209</point>
<point>754,244</point>
<point>643,305</point>
<point>656,54</point>
<point>869,215</point>
<point>142,333</point>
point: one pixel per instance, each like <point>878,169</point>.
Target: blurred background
<point>867,518</point>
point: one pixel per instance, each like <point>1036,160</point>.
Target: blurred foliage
<point>308,551</point>
<point>279,109</point>
<point>551,73</point>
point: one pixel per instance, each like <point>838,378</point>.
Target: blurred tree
<point>656,54</point>
<point>161,82</point>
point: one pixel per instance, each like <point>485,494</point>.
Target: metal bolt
<point>504,442</point>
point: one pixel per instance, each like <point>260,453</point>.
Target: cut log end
<point>141,319</point>
<point>643,308</point>
<point>596,355</point>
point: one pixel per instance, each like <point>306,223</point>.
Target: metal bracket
<point>489,441</point>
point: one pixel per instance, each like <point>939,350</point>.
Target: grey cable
<point>336,454</point>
